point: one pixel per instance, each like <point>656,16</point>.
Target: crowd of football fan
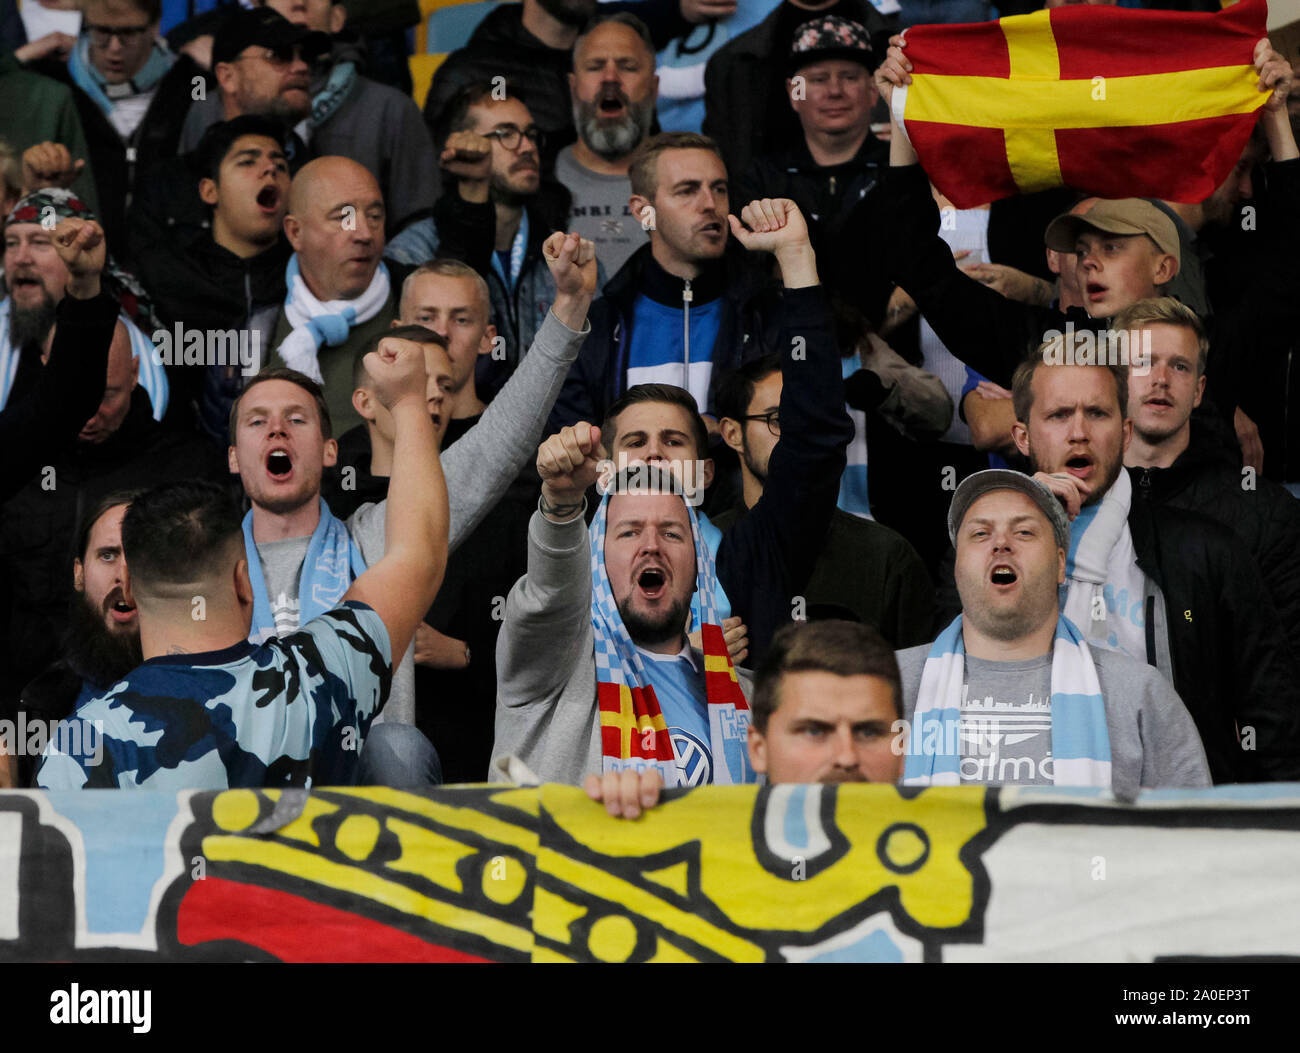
<point>345,443</point>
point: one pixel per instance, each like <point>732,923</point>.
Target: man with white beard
<point>614,90</point>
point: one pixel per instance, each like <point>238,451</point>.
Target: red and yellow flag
<point>1111,101</point>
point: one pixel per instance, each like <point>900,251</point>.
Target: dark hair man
<point>614,89</point>
<point>1011,691</point>
<point>494,215</point>
<point>1175,463</point>
<point>825,703</point>
<point>860,566</point>
<point>226,278</point>
<point>101,642</point>
<point>293,711</point>
<point>1162,585</point>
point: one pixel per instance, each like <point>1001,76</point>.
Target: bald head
<point>336,226</point>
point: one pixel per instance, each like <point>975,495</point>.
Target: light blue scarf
<point>517,249</point>
<point>1080,739</point>
<point>92,82</point>
<point>332,563</point>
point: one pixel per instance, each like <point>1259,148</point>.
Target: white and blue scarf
<point>92,82</point>
<point>1080,739</point>
<point>634,735</point>
<point>153,374</point>
<point>332,563</point>
<point>316,323</point>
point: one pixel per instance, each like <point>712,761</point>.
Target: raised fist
<point>569,462</point>
<point>49,164</point>
<point>397,369</point>
<point>80,245</point>
<point>572,260</point>
<point>468,155</point>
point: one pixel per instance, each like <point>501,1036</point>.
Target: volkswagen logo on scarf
<point>695,762</point>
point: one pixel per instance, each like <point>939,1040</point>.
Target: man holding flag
<point>1189,66</point>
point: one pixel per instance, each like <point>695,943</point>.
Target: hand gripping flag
<point>1110,101</point>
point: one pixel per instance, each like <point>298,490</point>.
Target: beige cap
<point>1127,215</point>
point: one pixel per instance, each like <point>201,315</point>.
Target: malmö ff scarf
<point>1080,740</point>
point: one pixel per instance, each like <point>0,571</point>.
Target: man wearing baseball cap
<point>1011,692</point>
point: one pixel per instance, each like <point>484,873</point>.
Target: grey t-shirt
<point>1153,740</point>
<point>600,211</point>
<point>281,569</point>
<point>1006,721</point>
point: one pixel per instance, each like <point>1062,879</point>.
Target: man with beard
<point>595,672</point>
<point>101,643</point>
<point>1011,692</point>
<point>1162,585</point>
<point>494,215</point>
<point>614,90</point>
<point>529,44</point>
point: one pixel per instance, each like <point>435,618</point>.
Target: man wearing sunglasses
<point>494,214</point>
<point>280,60</point>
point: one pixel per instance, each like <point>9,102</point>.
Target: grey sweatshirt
<point>546,661</point>
<point>1153,740</point>
<point>480,467</point>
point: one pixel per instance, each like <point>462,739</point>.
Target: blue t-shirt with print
<point>684,704</point>
<point>290,712</point>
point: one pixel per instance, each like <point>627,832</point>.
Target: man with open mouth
<point>101,643</point>
<point>302,557</point>
<point>226,280</point>
<point>1011,692</point>
<point>614,89</point>
<point>596,675</point>
<point>1162,585</point>
<point>208,708</point>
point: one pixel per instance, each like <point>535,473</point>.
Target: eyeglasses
<point>772,420</point>
<point>282,55</point>
<point>509,136</point>
<point>102,36</point>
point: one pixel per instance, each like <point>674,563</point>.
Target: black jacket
<point>746,109</point>
<point>828,196</point>
<point>203,286</point>
<point>749,327</point>
<point>1231,664</point>
<point>1263,515</point>
<point>116,161</point>
<point>765,559</point>
<point>40,423</point>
